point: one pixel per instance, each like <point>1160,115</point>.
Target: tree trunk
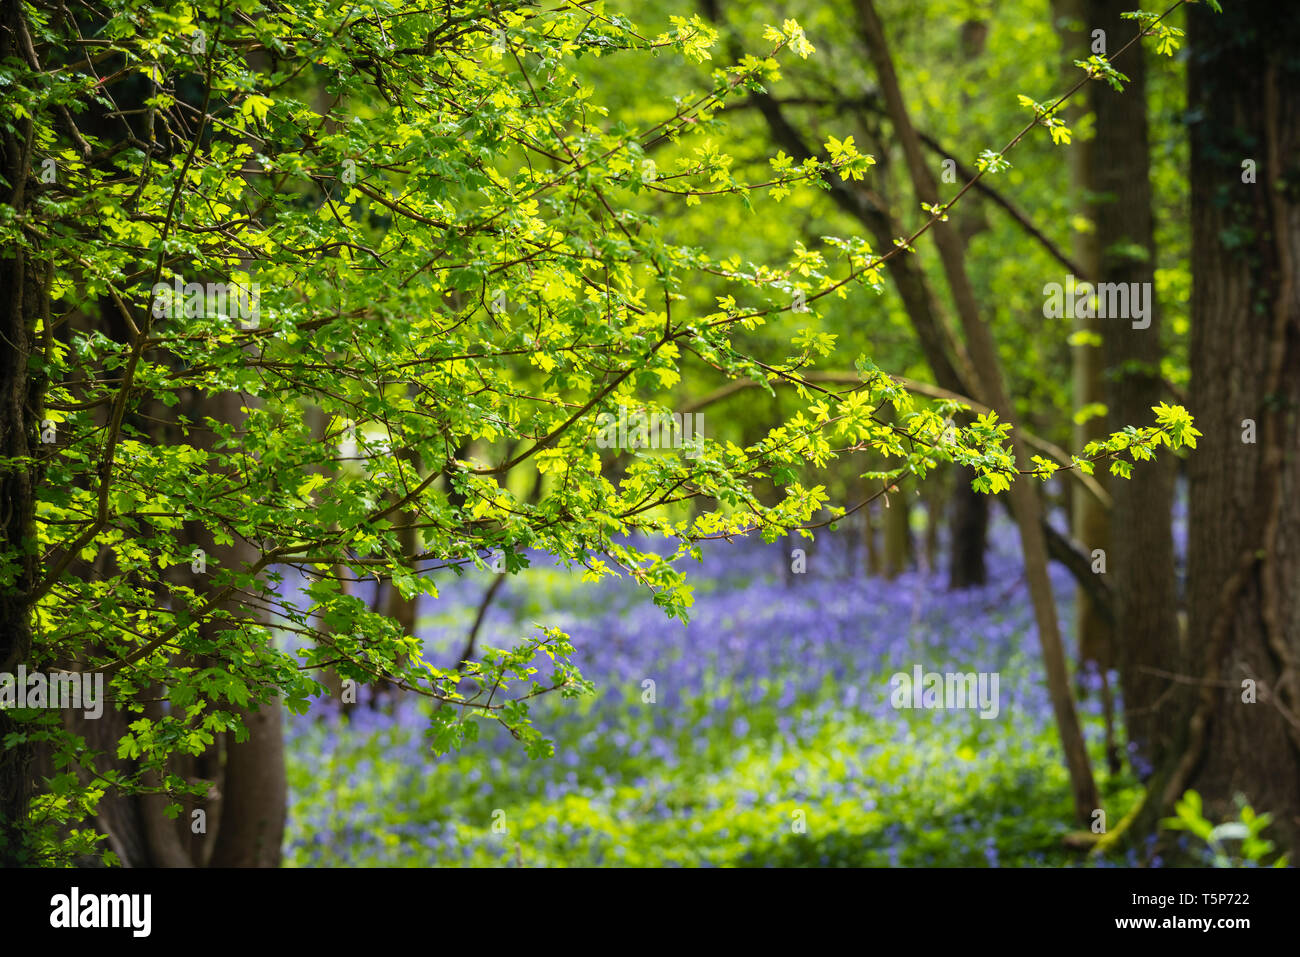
<point>253,786</point>
<point>1140,559</point>
<point>1089,520</point>
<point>22,302</point>
<point>898,535</point>
<point>255,793</point>
<point>1024,497</point>
<point>246,808</point>
<point>874,563</point>
<point>934,498</point>
<point>1244,543</point>
<point>897,515</point>
<point>970,521</point>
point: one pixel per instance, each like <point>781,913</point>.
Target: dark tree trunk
<point>1244,543</point>
<point>1140,555</point>
<point>22,303</point>
<point>970,521</point>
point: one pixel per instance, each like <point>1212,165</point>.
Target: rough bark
<point>1244,543</point>
<point>22,302</point>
